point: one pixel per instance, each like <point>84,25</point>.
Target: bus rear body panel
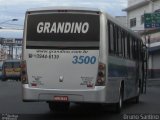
<point>62,69</point>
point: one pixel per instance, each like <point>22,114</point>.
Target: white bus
<point>79,55</point>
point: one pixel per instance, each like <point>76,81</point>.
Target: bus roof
<point>70,8</point>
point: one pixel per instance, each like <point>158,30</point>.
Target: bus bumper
<point>96,95</point>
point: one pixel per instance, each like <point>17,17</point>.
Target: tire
<point>59,106</point>
<point>119,105</point>
<point>4,79</point>
<point>137,97</point>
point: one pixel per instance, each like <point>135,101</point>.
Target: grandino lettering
<point>62,27</point>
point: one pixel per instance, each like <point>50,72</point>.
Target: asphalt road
<point>11,105</point>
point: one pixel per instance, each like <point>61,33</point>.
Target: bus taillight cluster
<point>24,78</point>
<point>101,74</point>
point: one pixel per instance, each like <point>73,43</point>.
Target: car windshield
<point>8,65</point>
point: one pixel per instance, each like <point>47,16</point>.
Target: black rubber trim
<point>62,48</point>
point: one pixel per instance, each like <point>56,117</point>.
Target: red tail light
<point>24,78</point>
<point>101,66</point>
<point>101,76</point>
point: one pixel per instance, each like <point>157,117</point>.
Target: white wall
<point>156,5</point>
<point>137,13</point>
<point>132,2</point>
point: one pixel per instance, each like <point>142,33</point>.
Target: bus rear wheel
<point>59,106</point>
<point>4,79</point>
<point>119,105</point>
<point>137,97</point>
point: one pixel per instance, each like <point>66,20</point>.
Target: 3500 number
<point>84,60</point>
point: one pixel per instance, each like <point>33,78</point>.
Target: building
<point>3,55</point>
<point>135,12</point>
<point>135,21</point>
<point>10,43</point>
<point>10,48</point>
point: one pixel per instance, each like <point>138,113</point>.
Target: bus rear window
<point>62,27</point>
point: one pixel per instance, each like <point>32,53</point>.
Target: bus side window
<point>115,39</point>
<point>134,48</point>
<point>120,42</point>
<point>139,49</point>
<point>110,35</point>
<point>131,48</point>
<point>126,47</point>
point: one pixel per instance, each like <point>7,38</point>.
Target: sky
<point>15,9</point>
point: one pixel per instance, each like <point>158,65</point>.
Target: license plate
<point>60,98</point>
